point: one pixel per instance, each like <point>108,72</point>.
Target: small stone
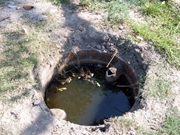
<point>168,92</point>
<point>163,2</point>
<point>103,47</point>
<point>121,27</point>
<point>12,112</point>
<point>25,30</point>
<point>18,8</point>
<point>42,18</point>
<point>60,114</point>
<point>137,50</point>
<point>36,102</point>
<point>104,51</point>
<point>11,6</point>
<point>98,47</point>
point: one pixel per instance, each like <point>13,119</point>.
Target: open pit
<point>88,87</point>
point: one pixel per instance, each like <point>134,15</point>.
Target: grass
<point>129,124</point>
<point>163,25</point>
<point>16,60</point>
<point>158,88</point>
<point>162,28</point>
<point>170,126</point>
<point>20,54</point>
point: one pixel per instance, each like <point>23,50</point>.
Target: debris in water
<point>62,89</point>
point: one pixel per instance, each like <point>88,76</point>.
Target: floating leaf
<point>92,74</point>
<point>62,89</point>
<point>98,84</point>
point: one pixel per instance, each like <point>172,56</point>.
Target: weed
<point>157,87</point>
<point>171,124</point>
<point>16,61</point>
<point>130,124</point>
<point>162,25</point>
<point>162,22</point>
<point>117,10</point>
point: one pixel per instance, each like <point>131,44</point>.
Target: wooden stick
<point>112,58</point>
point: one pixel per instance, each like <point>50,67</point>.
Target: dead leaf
<point>28,7</point>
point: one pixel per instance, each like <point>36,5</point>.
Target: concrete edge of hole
<point>88,57</point>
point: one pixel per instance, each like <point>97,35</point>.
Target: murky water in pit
<point>87,102</point>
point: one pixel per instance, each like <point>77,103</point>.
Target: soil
<point>72,28</point>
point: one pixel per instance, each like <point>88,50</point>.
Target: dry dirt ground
<point>72,28</point>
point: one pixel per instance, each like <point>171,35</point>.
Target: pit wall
<point>83,57</point>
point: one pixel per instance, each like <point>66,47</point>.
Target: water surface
<point>87,103</point>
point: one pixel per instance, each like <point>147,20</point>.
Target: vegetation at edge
<point>171,124</point>
<point>162,27</point>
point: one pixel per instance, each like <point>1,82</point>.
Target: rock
<point>25,30</point>
<point>11,6</point>
<point>42,18</point>
<point>36,102</point>
<point>98,47</point>
<point>60,114</point>
<point>18,8</point>
<point>121,27</point>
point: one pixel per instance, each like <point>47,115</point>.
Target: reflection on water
<point>86,103</point>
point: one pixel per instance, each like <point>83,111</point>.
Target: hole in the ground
<point>82,88</point>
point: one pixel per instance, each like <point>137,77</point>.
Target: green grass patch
<point>127,124</point>
<point>163,24</point>
<point>171,124</point>
<point>157,87</point>
<point>130,124</point>
<point>117,10</point>
<point>16,61</point>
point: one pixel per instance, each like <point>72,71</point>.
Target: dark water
<point>87,103</point>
